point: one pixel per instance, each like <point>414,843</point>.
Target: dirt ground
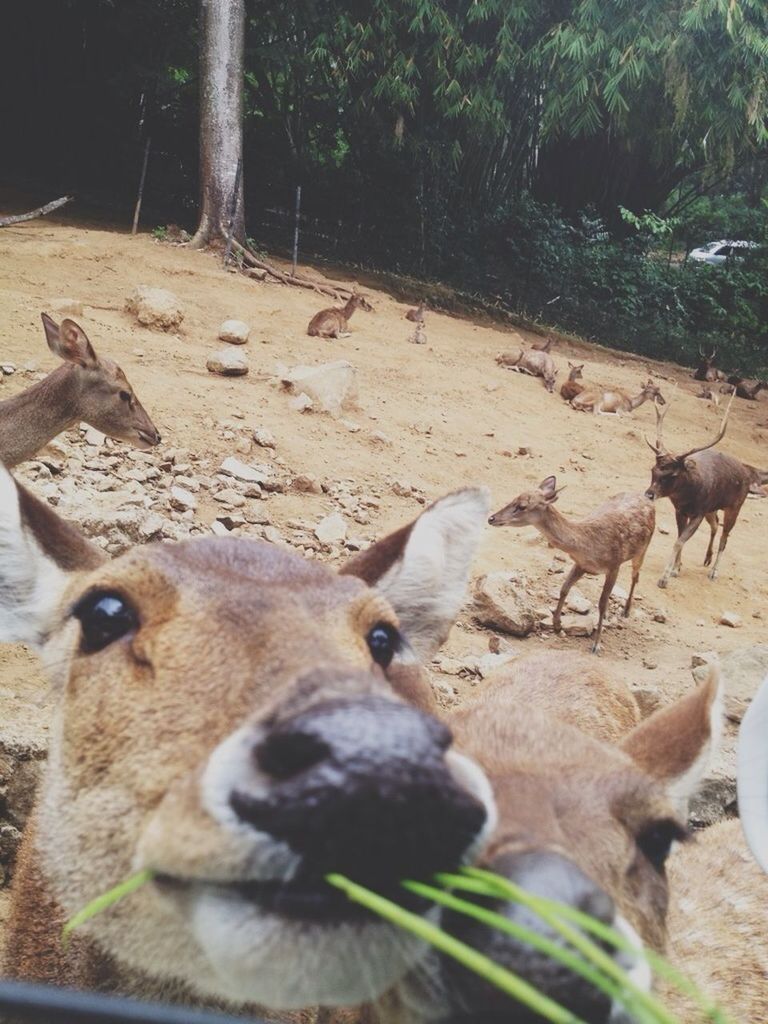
<point>452,416</point>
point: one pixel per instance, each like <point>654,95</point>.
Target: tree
<point>222,41</point>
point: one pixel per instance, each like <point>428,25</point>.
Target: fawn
<point>334,322</point>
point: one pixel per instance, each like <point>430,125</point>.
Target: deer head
<point>527,508</point>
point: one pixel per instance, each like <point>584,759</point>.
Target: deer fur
<point>87,387</point>
<point>543,346</point>
<point>699,483</point>
<point>743,388</point>
<point>536,362</point>
<point>334,322</point>
<point>571,387</point>
<point>416,315</point>
<point>706,370</point>
<point>618,531</point>
<point>614,400</point>
<point>232,670</point>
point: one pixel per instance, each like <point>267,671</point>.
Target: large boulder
<point>501,601</point>
<point>332,387</point>
<point>155,307</point>
<point>743,670</point>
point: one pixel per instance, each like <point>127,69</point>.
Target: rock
<point>240,471</point>
<point>351,426</point>
<point>227,362</point>
<point>234,331</point>
<point>576,602</point>
<point>8,369</point>
<point>155,307</point>
<point>379,437</point>
<point>264,438</point>
<point>273,535</point>
<point>94,436</point>
<point>218,529</point>
<point>619,594</point>
<point>731,619</point>
<point>648,699</point>
<point>579,625</point>
<point>150,526</point>
<point>332,529</point>
<point>305,483</point>
<point>650,663</point>
<point>182,499</point>
<point>302,403</point>
<point>743,670</point>
<point>332,387</point>
<point>501,603</point>
<point>230,497</point>
<point>660,617</point>
<point>65,307</point>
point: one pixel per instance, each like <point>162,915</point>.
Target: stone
<point>648,699</point>
<point>150,526</point>
<point>351,426</point>
<point>501,603</point>
<point>182,499</point>
<point>227,362</point>
<point>659,617</point>
<point>264,438</point>
<point>65,307</point>
<point>577,602</point>
<point>240,471</point>
<point>579,625</point>
<point>8,369</point>
<point>302,402</point>
<point>332,387</point>
<point>743,671</point>
<point>731,619</point>
<point>650,663</point>
<point>332,529</point>
<point>219,529</point>
<point>94,436</point>
<point>379,437</point>
<point>619,594</point>
<point>228,496</point>
<point>234,331</point>
<point>273,535</point>
<point>305,483</point>
<point>155,307</point>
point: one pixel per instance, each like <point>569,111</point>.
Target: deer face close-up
<point>229,718</point>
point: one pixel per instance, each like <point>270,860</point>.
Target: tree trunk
<point>222,30</point>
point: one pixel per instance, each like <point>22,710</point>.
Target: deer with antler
<point>699,483</point>
<point>705,370</point>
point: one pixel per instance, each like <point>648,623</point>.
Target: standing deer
<point>416,315</point>
<point>87,387</point>
<point>571,387</point>
<point>603,401</point>
<point>618,531</point>
<point>231,717</point>
<point>705,370</point>
<point>535,362</point>
<point>334,322</point>
<point>600,824</point>
<point>699,483</point>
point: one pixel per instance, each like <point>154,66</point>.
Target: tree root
<point>336,292</point>
<point>17,218</point>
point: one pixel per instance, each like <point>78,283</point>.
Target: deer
<point>238,721</point>
<point>618,531</point>
<point>334,322</point>
<point>599,823</point>
<point>571,387</point>
<point>85,388</point>
<point>543,346</point>
<point>705,370</point>
<point>535,362</point>
<point>699,483</point>
<point>614,401</point>
<point>742,388</point>
<point>416,315</point>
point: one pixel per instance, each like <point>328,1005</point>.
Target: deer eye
<point>104,617</point>
<point>384,641</point>
<point>125,396</point>
<point>655,841</point>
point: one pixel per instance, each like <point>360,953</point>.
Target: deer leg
<point>610,581</point>
<point>711,518</point>
<point>573,577</point>
<point>730,515</point>
<point>673,567</point>
<point>637,564</point>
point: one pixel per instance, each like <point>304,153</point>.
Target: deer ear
<point>423,568</point>
<point>37,550</point>
<point>69,342</point>
<point>548,488</point>
<point>675,745</point>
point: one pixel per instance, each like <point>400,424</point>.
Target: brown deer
<point>571,387</point>
<point>543,346</point>
<point>600,824</point>
<point>416,315</point>
<point>334,322</point>
<point>603,401</point>
<point>699,483</point>
<point>87,387</point>
<point>705,370</point>
<point>532,361</point>
<point>231,717</point>
<point>743,388</point>
<point>618,531</point>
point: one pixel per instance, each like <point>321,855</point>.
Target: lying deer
<point>699,483</point>
<point>705,370</point>
<point>571,387</point>
<point>231,717</point>
<point>535,362</point>
<point>743,388</point>
<point>600,824</point>
<point>88,388</point>
<point>334,322</point>
<point>616,401</point>
<point>543,346</point>
<point>618,531</point>
<point>416,315</point>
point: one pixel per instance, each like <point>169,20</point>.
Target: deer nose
<point>492,520</point>
<point>363,787</point>
<point>552,876</point>
<point>650,493</point>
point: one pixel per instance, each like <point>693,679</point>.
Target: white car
<point>717,253</point>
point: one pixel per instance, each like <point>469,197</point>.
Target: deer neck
<point>350,307</point>
<point>637,400</point>
<point>559,531</point>
<point>28,421</point>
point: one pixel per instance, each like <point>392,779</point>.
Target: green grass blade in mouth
<point>106,900</point>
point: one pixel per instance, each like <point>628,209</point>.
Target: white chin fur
<point>637,968</point>
<point>287,965</point>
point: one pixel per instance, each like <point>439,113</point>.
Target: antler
<point>720,435</point>
<point>661,412</point>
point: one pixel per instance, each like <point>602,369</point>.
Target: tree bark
<point>222,32</point>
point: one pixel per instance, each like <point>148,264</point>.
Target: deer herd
<point>240,722</point>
